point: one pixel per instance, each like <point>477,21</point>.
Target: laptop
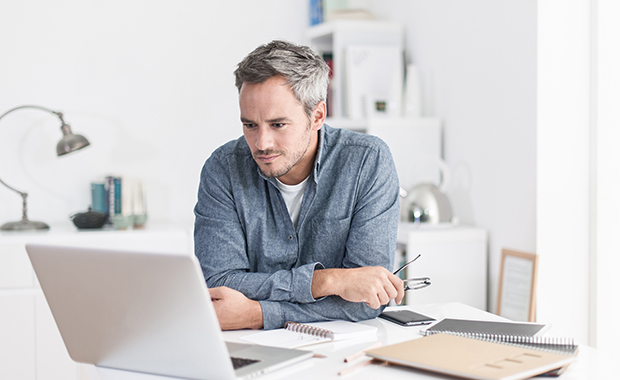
<point>144,312</point>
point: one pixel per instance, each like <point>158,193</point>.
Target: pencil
<point>359,365</point>
<point>356,355</point>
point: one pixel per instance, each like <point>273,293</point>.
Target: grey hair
<point>304,71</point>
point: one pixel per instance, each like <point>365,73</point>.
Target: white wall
<point>148,82</point>
<point>606,281</point>
<point>564,113</point>
<point>478,65</point>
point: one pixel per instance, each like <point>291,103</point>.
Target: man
<point>295,221</point>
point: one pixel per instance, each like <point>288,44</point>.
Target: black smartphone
<point>406,317</point>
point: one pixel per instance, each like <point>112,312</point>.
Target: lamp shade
<point>70,142</point>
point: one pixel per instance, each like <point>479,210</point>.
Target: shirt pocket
<point>329,240</point>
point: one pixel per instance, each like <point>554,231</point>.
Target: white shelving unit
<point>455,259</point>
<point>333,37</point>
<point>31,347</point>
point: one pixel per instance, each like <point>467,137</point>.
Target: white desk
<point>586,366</point>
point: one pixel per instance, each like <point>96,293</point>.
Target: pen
<point>408,263</point>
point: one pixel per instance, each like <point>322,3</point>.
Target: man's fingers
<point>383,298</point>
<point>375,286</point>
<point>374,303</point>
<point>399,287</point>
<point>215,293</point>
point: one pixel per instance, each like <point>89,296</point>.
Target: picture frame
<point>517,286</point>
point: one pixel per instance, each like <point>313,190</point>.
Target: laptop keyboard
<point>242,362</point>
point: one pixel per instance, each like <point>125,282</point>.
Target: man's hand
<point>234,310</point>
<point>374,286</point>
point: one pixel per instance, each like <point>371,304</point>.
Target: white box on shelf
<point>373,81</point>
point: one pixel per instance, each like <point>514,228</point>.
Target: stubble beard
<point>289,164</point>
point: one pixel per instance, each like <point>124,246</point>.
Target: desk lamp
<point>67,144</point>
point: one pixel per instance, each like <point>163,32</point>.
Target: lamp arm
<point>59,114</point>
<point>12,188</point>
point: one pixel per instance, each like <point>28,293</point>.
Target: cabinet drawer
<point>15,268</point>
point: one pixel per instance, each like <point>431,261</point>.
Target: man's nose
<point>264,138</point>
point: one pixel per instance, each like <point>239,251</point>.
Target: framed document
<point>517,286</point>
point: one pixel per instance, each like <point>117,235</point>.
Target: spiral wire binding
<point>543,343</point>
<point>309,330</point>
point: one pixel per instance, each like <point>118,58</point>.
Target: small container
<point>89,220</point>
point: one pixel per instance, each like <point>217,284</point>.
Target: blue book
<point>316,12</point>
<point>99,197</point>
<point>114,188</point>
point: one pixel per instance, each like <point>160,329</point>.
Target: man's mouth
<point>266,158</point>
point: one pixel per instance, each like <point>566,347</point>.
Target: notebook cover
<point>470,358</point>
<point>488,327</point>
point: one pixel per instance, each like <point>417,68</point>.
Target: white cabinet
<point>455,259</point>
<point>332,38</point>
<point>17,349</point>
<point>31,347</point>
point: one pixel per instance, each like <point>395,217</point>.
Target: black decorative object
<point>89,220</point>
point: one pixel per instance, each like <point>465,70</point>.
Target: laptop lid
<point>144,312</point>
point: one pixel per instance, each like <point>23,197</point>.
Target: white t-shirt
<point>293,195</point>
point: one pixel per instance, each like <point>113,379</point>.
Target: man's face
<point>282,139</point>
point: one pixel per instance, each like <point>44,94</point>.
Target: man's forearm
<point>375,286</point>
<point>276,314</point>
<point>323,283</point>
<point>235,311</point>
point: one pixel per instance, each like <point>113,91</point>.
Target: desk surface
<point>586,366</point>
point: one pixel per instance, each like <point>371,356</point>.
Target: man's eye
<point>278,125</point>
<point>249,125</point>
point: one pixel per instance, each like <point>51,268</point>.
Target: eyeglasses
<point>420,282</point>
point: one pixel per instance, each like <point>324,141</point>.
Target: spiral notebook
<point>471,358</point>
<point>513,333</point>
<point>295,335</point>
<point>488,327</point>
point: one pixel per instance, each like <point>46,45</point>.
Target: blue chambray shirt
<point>245,239</point>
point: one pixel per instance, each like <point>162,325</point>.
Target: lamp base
<point>24,225</point>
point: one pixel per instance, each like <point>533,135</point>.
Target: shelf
<point>361,125</point>
<point>358,125</point>
<point>334,38</point>
<point>326,30</point>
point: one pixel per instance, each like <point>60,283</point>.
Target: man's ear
<point>318,116</point>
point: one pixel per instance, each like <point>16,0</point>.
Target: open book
<point>296,335</point>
